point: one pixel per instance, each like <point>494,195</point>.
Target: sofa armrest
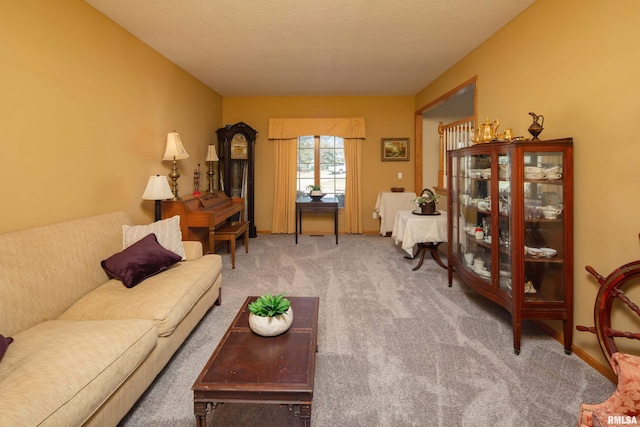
<point>192,249</point>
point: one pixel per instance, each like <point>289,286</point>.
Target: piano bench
<point>230,231</point>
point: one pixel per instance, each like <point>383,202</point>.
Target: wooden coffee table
<point>248,368</point>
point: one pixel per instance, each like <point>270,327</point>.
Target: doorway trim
<point>418,124</point>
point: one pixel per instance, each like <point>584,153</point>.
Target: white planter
<point>271,326</point>
<point>316,193</point>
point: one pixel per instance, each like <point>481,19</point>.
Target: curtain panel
<point>284,132</point>
<point>284,195</point>
<point>352,199</point>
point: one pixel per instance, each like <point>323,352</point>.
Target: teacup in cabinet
<point>551,212</point>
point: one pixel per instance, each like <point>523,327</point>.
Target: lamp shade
<point>212,156</point>
<point>173,149</point>
<point>157,188</point>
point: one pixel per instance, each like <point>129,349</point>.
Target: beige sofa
<point>86,347</point>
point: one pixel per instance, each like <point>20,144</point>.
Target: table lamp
<point>174,150</point>
<point>212,156</point>
<point>157,189</point>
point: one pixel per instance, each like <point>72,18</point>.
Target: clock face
<point>239,147</point>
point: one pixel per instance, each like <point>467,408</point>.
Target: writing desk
<point>307,204</point>
<point>426,231</point>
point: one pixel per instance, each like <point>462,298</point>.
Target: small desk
<point>307,204</point>
<point>426,231</point>
<point>388,203</point>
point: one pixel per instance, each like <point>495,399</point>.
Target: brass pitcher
<point>487,131</point>
<point>536,127</point>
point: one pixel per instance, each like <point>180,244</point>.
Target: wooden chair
<point>230,232</point>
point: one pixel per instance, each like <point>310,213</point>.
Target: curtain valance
<point>286,128</point>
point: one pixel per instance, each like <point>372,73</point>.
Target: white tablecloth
<point>410,229</point>
<point>388,203</point>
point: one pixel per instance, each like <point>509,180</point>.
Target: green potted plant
<point>314,190</point>
<point>270,315</point>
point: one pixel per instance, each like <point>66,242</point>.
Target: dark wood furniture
<point>230,232</point>
<point>502,188</point>
<point>248,368</point>
<point>199,216</point>
<point>237,166</point>
<point>432,248</point>
<point>307,204</point>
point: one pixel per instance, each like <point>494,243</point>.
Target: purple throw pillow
<point>139,261</point>
<point>4,344</point>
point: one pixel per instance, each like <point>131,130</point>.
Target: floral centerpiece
<point>427,201</point>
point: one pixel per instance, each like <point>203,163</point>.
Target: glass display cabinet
<point>510,222</point>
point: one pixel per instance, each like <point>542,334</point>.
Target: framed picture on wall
<point>395,149</point>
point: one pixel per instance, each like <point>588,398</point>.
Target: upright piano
<point>199,216</point>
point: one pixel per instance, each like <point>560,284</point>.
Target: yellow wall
<point>385,117</point>
<point>577,63</point>
<point>85,110</point>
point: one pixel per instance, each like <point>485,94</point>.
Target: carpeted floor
<point>396,347</point>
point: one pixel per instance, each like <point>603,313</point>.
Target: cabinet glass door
<point>543,227</point>
<point>457,240</point>
<point>466,230</point>
<point>475,205</point>
<point>503,234</point>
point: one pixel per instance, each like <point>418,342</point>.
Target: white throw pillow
<point>167,231</point>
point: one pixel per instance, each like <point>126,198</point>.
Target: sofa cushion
<point>4,344</point>
<point>165,298</point>
<point>59,372</point>
<point>143,259</point>
<point>167,231</point>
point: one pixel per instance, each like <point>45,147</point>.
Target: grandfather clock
<point>237,159</point>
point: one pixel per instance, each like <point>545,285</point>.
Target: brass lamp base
<point>210,174</point>
<point>174,175</point>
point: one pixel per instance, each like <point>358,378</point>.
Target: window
<point>321,162</point>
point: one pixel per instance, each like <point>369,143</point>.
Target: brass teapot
<point>487,131</point>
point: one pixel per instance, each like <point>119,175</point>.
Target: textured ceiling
<point>313,47</point>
